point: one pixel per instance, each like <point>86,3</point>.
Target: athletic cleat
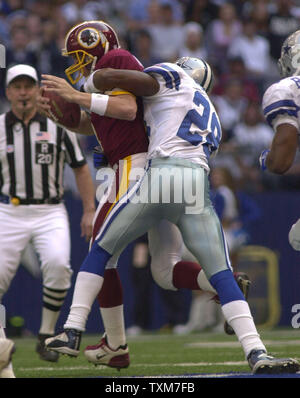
<point>67,342</point>
<point>262,363</point>
<point>244,283</point>
<point>7,348</point>
<point>45,355</point>
<point>102,354</point>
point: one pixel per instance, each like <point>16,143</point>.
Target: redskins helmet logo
<point>89,38</point>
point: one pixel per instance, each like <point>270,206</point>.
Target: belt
<point>18,201</point>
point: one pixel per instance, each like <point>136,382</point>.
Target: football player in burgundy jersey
<point>94,45</point>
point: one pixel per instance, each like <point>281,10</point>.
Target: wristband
<point>89,86</point>
<point>99,103</point>
<point>262,159</point>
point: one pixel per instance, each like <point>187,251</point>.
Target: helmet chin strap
<point>106,47</point>
<point>93,64</point>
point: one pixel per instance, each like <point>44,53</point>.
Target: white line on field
<point>233,344</point>
<point>50,368</point>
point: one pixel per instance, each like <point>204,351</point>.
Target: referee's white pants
<point>47,228</point>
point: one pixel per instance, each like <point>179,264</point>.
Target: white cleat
<point>102,354</point>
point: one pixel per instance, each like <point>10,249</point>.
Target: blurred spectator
<point>260,14</point>
<point>254,50</point>
<point>220,34</point>
<point>201,11</point>
<point>230,106</point>
<point>236,70</point>
<point>250,136</point>
<point>11,6</point>
<point>18,52</point>
<point>35,28</point>
<point>142,11</point>
<point>49,58</point>
<point>43,8</point>
<point>193,41</point>
<point>143,48</point>
<point>282,23</point>
<point>167,35</point>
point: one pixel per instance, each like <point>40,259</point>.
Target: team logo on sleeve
<point>89,38</point>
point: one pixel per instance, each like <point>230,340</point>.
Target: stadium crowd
<point>240,39</point>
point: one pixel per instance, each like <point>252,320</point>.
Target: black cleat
<point>244,283</point>
<point>67,342</point>
<point>44,354</point>
<point>262,363</point>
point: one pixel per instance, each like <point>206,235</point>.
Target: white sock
<point>2,333</point>
<point>49,319</point>
<point>237,314</point>
<point>113,320</point>
<point>7,372</point>
<point>87,287</point>
<point>204,283</point>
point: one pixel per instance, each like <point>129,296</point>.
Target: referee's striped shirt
<point>32,157</point>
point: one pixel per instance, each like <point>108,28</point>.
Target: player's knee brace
<point>226,287</point>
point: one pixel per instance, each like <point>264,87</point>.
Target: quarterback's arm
<point>138,83</point>
<point>86,190</point>
<point>116,106</point>
<point>283,149</point>
<point>85,126</point>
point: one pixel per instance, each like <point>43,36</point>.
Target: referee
<point>33,152</point>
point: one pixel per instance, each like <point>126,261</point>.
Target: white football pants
<point>47,228</point>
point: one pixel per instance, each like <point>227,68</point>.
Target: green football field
<point>194,355</point>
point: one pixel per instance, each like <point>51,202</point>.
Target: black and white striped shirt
<point>32,157</point>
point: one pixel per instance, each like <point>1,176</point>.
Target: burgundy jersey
<point>120,138</point>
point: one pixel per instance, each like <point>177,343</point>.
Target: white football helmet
<point>198,69</point>
<point>289,61</point>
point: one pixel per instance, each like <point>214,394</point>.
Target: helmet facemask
<point>82,59</point>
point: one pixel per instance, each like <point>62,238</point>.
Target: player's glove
<point>262,159</point>
<point>99,158</point>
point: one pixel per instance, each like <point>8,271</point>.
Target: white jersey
<point>281,103</point>
<point>181,120</point>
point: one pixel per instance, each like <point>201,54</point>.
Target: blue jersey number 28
<point>210,141</point>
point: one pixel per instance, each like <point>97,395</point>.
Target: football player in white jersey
<point>184,131</point>
<point>281,106</point>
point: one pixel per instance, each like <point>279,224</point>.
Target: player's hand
<point>86,224</point>
<point>59,86</point>
<point>42,104</point>
<point>99,158</point>
<point>262,159</point>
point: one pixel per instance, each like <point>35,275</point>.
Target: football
<point>63,112</point>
